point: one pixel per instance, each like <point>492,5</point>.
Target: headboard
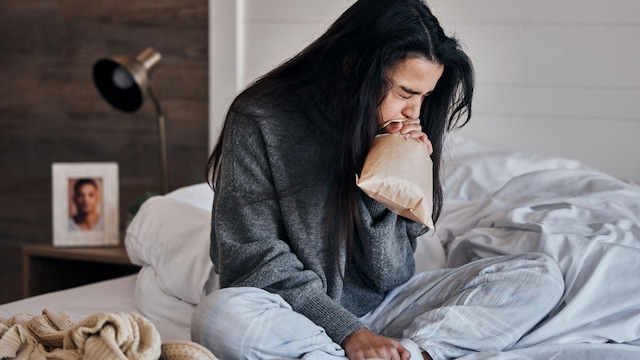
<point>558,78</point>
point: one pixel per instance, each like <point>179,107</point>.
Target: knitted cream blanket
<point>56,335</point>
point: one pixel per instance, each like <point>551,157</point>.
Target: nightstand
<point>47,268</point>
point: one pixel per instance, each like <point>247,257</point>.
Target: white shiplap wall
<point>559,77</point>
<point>250,37</point>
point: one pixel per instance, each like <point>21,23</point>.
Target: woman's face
<point>411,81</point>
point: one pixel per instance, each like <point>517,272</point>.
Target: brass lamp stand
<point>123,82</point>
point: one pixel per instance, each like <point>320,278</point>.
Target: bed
<point>496,202</point>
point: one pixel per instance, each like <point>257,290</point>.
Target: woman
<point>309,265</point>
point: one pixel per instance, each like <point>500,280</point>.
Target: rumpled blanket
<point>56,335</point>
<point>589,222</point>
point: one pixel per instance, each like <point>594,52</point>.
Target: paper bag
<point>398,173</point>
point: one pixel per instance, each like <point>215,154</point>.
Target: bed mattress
<point>116,295</point>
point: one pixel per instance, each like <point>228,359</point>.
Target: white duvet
<point>505,203</point>
<point>495,203</point>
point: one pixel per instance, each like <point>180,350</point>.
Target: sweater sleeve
<point>249,236</point>
<point>385,251</point>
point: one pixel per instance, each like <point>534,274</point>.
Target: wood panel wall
<point>50,111</point>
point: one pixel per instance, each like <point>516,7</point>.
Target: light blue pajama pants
<point>486,305</point>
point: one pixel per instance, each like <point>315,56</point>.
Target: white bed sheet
<point>115,295</point>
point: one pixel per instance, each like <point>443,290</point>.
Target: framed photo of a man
<point>85,204</point>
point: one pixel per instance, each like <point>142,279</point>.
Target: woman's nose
<point>412,109</point>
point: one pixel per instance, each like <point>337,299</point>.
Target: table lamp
<point>123,81</point>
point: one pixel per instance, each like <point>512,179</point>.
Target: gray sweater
<point>268,223</point>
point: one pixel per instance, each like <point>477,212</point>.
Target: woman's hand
<point>363,344</point>
<point>410,128</point>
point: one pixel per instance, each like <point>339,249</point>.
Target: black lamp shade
<point>116,84</point>
<point>124,81</point>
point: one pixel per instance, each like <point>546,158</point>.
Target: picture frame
<point>85,204</point>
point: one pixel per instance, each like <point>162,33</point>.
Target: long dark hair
<point>349,64</point>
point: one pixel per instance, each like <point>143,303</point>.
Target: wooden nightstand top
<point>47,268</point>
<point>111,255</point>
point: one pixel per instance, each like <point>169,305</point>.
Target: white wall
<point>250,37</point>
<point>559,77</point>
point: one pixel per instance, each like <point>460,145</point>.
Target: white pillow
<point>473,171</point>
<point>198,195</point>
<point>173,236</point>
